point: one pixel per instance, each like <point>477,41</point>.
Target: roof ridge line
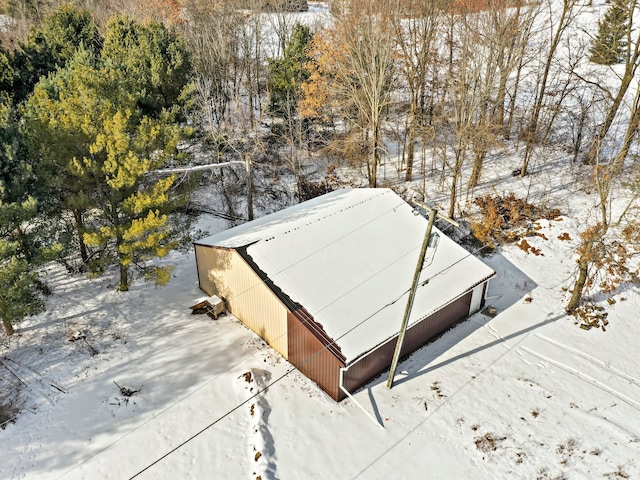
<point>384,191</point>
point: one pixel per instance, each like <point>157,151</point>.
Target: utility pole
<point>433,213</point>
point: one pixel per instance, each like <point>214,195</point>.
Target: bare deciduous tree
<point>603,258</point>
<point>502,31</point>
<point>213,38</point>
<point>557,29</point>
<point>416,26</point>
<point>362,39</point>
<point>471,79</point>
<point>600,253</point>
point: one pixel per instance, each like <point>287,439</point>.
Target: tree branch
<point>197,168</point>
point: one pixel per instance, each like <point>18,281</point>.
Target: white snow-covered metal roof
<point>349,257</point>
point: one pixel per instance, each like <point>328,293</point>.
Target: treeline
<point>98,96</point>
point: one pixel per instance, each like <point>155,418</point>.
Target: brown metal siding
<point>379,360</point>
<point>223,272</point>
<point>310,354</point>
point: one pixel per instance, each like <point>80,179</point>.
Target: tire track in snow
<point>578,373</point>
<point>589,358</point>
<point>466,451</point>
<point>494,333</point>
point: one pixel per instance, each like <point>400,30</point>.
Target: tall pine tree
<point>52,45</point>
<point>20,288</point>
<point>154,58</point>
<point>96,138</point>
<point>287,74</point>
<point>608,47</point>
<point>53,137</point>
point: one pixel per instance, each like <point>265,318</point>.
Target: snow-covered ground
<point>526,394</point>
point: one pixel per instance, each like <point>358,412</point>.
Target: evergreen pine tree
<point>6,77</point>
<point>96,141</point>
<point>51,46</point>
<point>20,288</point>
<point>610,44</point>
<point>154,58</point>
<point>54,135</point>
<point>287,74</point>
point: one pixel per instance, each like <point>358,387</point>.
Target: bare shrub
<point>308,189</point>
<point>488,442</point>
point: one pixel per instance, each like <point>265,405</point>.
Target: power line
<point>248,356</point>
<point>294,368</point>
<point>264,389</point>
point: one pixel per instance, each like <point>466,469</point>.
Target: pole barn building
<point>326,283</point>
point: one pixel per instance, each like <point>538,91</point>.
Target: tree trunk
<point>84,254</point>
<point>484,135</point>
<point>249,188</point>
<point>532,129</point>
<point>592,154</point>
<point>8,326</point>
<point>577,144</point>
<point>578,287</point>
<point>373,159</point>
<point>477,168</point>
<point>455,173</point>
<point>124,277</point>
<point>122,261</point>
<point>632,129</point>
<point>512,102</point>
<point>411,140</point>
<point>559,99</point>
<point>590,253</point>
<point>505,69</point>
<point>501,99</point>
<point>630,67</point>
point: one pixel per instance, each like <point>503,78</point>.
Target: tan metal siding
<point>379,360</point>
<point>312,357</point>
<point>223,272</point>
